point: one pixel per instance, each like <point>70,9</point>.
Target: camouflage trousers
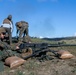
<point>23,31</point>
<point>8,30</point>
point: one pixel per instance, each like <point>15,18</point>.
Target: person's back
<point>6,21</point>
<point>22,26</point>
<point>8,25</point>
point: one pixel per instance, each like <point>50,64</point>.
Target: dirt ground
<point>47,67</point>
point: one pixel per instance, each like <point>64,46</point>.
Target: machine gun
<point>42,45</point>
<point>40,49</point>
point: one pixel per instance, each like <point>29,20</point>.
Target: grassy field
<point>47,67</point>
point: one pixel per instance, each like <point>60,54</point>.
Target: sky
<point>46,18</point>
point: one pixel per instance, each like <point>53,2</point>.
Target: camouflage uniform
<point>22,28</point>
<point>8,25</point>
<point>5,49</point>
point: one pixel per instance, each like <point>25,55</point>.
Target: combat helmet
<point>9,17</point>
<point>2,30</point>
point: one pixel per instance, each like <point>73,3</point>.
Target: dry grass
<point>50,67</point>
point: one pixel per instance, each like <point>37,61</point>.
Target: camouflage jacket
<point>21,24</point>
<point>4,45</point>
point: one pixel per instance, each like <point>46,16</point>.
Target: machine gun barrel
<point>42,45</point>
<point>59,45</point>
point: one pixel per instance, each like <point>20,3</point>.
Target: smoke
<point>44,28</point>
<point>47,24</point>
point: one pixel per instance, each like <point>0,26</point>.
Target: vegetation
<point>50,67</point>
